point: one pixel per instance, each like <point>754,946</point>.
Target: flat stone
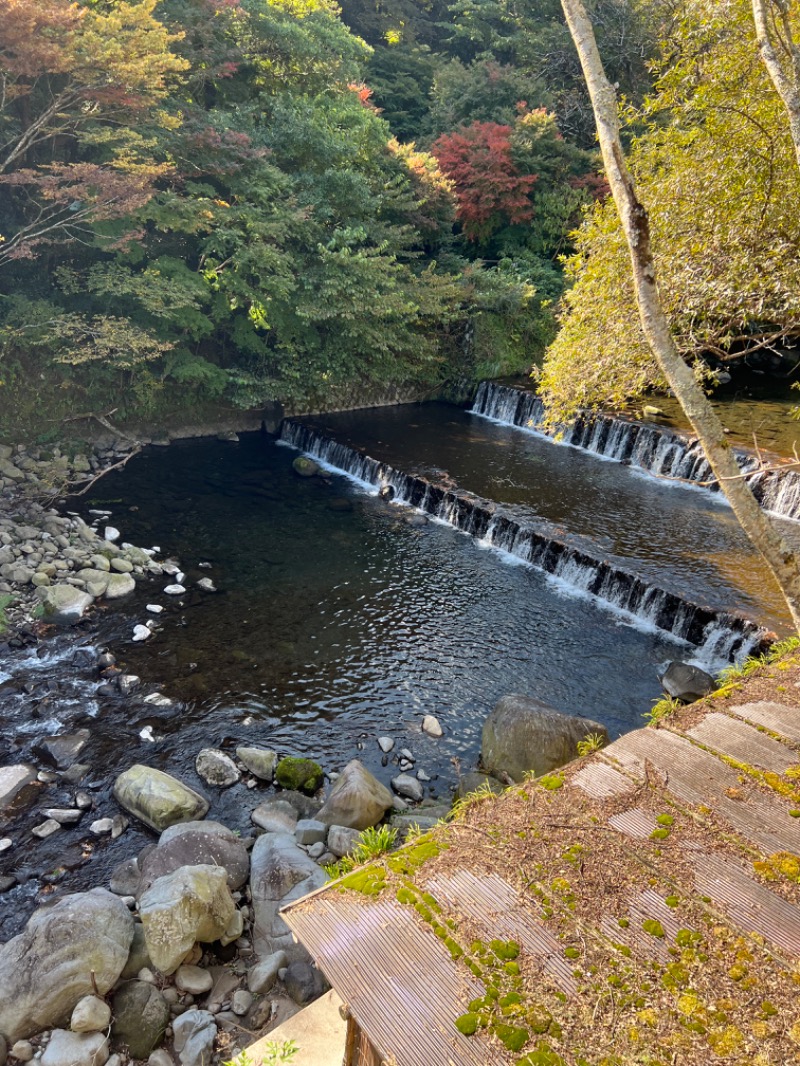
<point>275,816</point>
<point>63,815</point>
<point>46,829</point>
<point>63,750</point>
<point>193,979</point>
<point>101,826</point>
<point>261,762</point>
<point>122,566</point>
<point>174,590</point>
<point>22,1051</point>
<point>154,608</point>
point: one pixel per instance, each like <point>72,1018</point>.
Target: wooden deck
<point>651,892</point>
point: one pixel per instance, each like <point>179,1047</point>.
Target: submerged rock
<point>64,952</point>
<point>158,799</point>
<point>357,800</point>
<point>14,782</point>
<point>305,467</point>
<point>523,735</point>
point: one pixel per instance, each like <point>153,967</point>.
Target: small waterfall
<point>719,636</point>
<point>653,449</point>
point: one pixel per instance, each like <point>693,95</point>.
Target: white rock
<point>154,608</point>
<point>386,744</point>
<point>147,734</point>
<point>46,829</point>
<point>5,844</point>
<point>110,533</point>
<point>63,815</point>
<point>91,1015</point>
<point>101,826</point>
<point>141,633</point>
<point>422,776</point>
<point>430,725</point>
<point>206,584</point>
<point>22,1051</point>
<point>174,590</point>
<point>157,700</point>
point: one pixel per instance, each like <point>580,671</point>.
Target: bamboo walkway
<point>642,906</point>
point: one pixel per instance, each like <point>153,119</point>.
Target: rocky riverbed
<point>176,952</point>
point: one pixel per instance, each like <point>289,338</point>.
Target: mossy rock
<point>300,775</point>
<point>305,467</point>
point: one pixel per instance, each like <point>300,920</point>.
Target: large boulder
<point>523,736</point>
<point>196,844</point>
<point>67,951</point>
<point>687,683</point>
<point>141,1016</point>
<point>280,872</point>
<point>305,467</point>
<point>357,799</point>
<point>158,799</point>
<point>63,605</point>
<point>191,905</point>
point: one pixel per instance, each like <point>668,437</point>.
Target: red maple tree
<point>490,190</point>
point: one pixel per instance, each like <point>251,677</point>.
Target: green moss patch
<point>299,775</point>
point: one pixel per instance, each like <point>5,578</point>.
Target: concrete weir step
<point>318,1030</point>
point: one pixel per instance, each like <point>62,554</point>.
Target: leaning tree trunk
<point>758,526</point>
<point>787,83</point>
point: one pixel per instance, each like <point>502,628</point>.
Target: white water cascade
<point>718,636</point>
<point>653,449</point>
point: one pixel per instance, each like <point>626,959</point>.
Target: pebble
<point>386,744</point>
<point>193,980</point>
<point>91,1015</point>
<point>141,633</point>
<point>157,700</point>
<point>63,815</point>
<point>206,584</point>
<point>174,590</point>
<point>430,725</point>
<point>406,754</point>
<point>119,823</point>
<point>154,608</point>
<point>111,533</point>
<point>5,844</point>
<point>46,829</point>
<point>102,826</point>
<point>147,734</point>
<point>159,1057</point>
<point>83,800</point>
<point>22,1050</point>
<point>408,786</point>
<point>422,776</point>
<point>241,1002</point>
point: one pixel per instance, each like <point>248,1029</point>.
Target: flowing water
<point>341,617</point>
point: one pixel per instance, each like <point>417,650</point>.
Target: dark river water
<point>340,618</point>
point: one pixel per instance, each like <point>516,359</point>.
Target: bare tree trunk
<point>786,82</point>
<point>758,526</point>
